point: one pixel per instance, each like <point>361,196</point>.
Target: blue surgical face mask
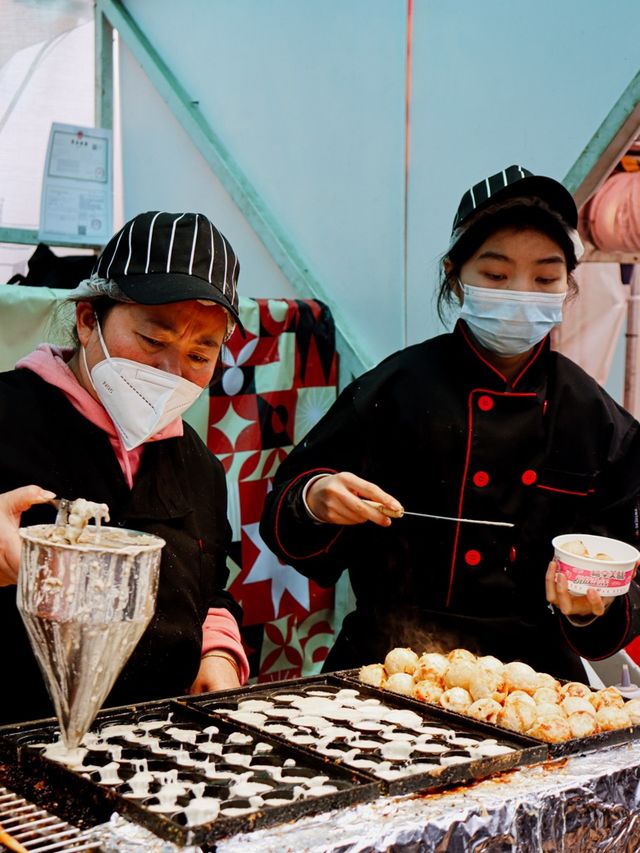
<point>510,322</point>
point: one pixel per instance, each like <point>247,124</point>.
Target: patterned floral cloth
<point>275,384</point>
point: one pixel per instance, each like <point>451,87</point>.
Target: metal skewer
<point>390,513</point>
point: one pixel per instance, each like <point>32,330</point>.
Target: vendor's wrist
<point>220,654</point>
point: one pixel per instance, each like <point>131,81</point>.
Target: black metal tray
<point>70,792</point>
<point>574,746</point>
<point>525,750</point>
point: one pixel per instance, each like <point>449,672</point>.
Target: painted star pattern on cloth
<point>268,567</point>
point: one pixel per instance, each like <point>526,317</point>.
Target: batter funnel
<point>85,607</point>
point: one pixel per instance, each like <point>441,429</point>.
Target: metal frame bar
<point>606,146</point>
<point>185,108</point>
<point>103,118</point>
<point>29,237</point>
<point>103,70</point>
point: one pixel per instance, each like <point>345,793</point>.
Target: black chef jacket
<point>179,494</point>
<point>440,429</point>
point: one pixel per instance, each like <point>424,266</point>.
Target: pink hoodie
<point>220,630</point>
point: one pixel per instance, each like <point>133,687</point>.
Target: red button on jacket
<point>529,477</point>
<point>481,479</point>
<point>485,403</point>
<point>472,558</point>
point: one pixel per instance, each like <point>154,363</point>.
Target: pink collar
<point>51,364</point>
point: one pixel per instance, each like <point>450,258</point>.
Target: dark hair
<point>516,216</point>
<point>102,306</point>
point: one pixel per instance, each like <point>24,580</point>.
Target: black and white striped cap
<point>515,182</point>
<point>158,258</point>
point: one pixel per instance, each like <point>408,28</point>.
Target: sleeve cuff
<point>308,485</point>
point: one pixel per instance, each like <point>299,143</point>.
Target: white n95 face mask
<point>140,400</point>
<point>510,322</point>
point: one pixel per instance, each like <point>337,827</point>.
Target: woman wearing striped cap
<point>102,420</point>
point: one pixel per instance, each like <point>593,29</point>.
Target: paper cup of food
<point>595,562</point>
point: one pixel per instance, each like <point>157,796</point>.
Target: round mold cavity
<point>286,697</point>
<point>291,773</point>
<point>338,744</point>
<point>265,761</point>
<point>34,738</point>
<point>97,779</point>
<point>366,760</point>
<point>217,706</point>
<point>368,725</point>
<point>367,747</point>
<point>278,795</point>
<point>158,764</point>
<point>395,733</point>
<point>281,712</point>
<point>236,807</point>
<point>341,784</point>
<point>436,729</point>
<point>116,740</point>
<point>114,718</point>
<point>125,771</point>
<point>152,719</point>
<point>232,769</point>
<point>168,809</point>
<point>133,753</point>
<point>201,757</point>
<point>97,757</point>
<point>327,690</point>
<point>237,748</point>
<point>251,697</point>
<point>259,775</point>
<point>464,740</point>
<point>431,747</point>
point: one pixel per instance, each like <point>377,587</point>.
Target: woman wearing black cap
<point>483,423</point>
<point>102,421</point>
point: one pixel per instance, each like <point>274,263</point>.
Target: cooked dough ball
<point>486,682</point>
<point>608,697</point>
<point>551,730</point>
<point>520,676</point>
<point>574,688</point>
<point>518,715</point>
<point>373,674</point>
<point>632,707</point>
<point>486,709</point>
<point>545,696</point>
<point>576,547</point>
<point>546,680</point>
<point>491,664</point>
<point>456,699</point>
<point>431,667</point>
<point>520,696</point>
<point>461,654</point>
<point>577,704</point>
<point>459,674</point>
<point>400,660</point>
<point>547,711</point>
<point>427,691</point>
<point>609,718</point>
<point>400,682</point>
<point>582,724</point>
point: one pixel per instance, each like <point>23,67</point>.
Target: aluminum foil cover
<point>587,803</point>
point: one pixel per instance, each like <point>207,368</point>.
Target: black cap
<point>157,258</point>
<point>515,182</point>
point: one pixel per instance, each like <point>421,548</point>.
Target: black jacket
<point>179,494</point>
<point>435,426</point>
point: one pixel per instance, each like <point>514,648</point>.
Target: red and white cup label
<point>607,580</point>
